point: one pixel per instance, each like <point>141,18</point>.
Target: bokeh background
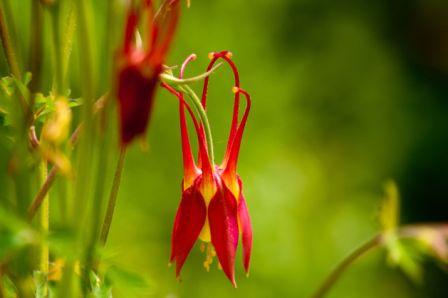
<point>346,95</point>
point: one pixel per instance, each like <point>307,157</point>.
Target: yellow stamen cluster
<point>210,253</point>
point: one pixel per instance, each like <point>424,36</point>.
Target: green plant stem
<point>203,115</point>
<point>334,276</point>
<point>112,198</point>
<point>8,47</point>
<point>57,50</point>
<point>42,194</point>
<point>84,158</point>
<point>46,185</point>
<point>35,58</point>
<point>44,222</point>
<point>405,232</point>
<point>67,39</point>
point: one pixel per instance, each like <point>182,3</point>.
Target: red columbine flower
<point>212,207</point>
<point>139,68</point>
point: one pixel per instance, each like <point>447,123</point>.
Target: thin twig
<point>341,267</point>
<point>41,195</point>
<point>404,232</point>
<point>112,198</point>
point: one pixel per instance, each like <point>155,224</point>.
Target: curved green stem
<point>412,231</point>
<point>170,79</point>
<point>341,267</point>
<point>203,115</point>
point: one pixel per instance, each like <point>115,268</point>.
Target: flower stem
<point>44,221</point>
<point>411,231</point>
<point>36,47</point>
<point>342,266</point>
<point>10,53</point>
<point>57,50</point>
<point>42,195</point>
<point>200,109</point>
<point>112,198</point>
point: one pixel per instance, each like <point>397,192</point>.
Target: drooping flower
<point>139,67</point>
<point>213,207</point>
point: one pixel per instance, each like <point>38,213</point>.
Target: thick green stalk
<point>35,58</point>
<point>44,222</point>
<point>67,38</point>
<point>84,175</point>
<point>57,50</point>
<point>10,51</point>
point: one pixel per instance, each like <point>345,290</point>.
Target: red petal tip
<point>246,232</point>
<point>188,223</point>
<point>223,220</point>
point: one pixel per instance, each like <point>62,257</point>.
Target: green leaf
<point>10,290</point>
<point>63,243</point>
<point>99,290</point>
<point>405,257</point>
<point>40,282</point>
<point>128,282</point>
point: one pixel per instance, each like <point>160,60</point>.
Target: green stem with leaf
<point>413,231</point>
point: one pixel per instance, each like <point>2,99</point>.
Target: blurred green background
<point>346,94</point>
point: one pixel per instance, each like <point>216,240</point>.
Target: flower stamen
<point>209,255</point>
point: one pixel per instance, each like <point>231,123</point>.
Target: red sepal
<point>135,93</point>
<point>190,219</point>
<point>246,231</point>
<point>223,220</point>
<point>231,163</point>
<point>139,69</point>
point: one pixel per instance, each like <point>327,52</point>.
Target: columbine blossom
<point>212,207</point>
<point>139,67</point>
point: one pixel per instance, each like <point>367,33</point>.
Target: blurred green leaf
<point>40,282</point>
<point>127,281</point>
<point>99,290</point>
<point>10,290</point>
<point>390,208</point>
<point>45,105</point>
<point>63,243</point>
<point>405,257</point>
